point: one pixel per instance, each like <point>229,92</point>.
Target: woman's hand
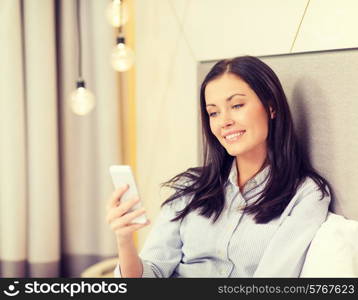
<point>120,219</point>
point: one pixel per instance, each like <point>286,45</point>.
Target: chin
<point>236,150</point>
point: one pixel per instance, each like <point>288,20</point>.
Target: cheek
<point>213,128</point>
<point>258,120</point>
<point>261,127</point>
<point>216,131</point>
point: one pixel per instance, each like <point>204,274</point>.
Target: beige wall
<point>173,36</point>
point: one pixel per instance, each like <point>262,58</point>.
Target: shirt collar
<point>257,180</point>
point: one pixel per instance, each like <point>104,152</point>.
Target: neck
<point>249,164</point>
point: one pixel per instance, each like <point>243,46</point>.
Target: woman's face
<point>237,117</point>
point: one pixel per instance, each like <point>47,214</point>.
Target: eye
<point>237,106</point>
<point>213,114</point>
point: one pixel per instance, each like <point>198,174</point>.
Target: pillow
<point>334,250</point>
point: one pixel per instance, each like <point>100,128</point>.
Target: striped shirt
<point>234,246</point>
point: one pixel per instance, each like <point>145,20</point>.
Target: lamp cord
<point>79,38</point>
<point>120,18</point>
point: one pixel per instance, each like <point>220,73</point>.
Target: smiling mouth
<point>231,138</point>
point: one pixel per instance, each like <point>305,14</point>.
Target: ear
<point>272,113</point>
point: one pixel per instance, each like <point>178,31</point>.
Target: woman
<point>254,206</point>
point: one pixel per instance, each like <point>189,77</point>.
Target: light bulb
<point>114,10</point>
<point>122,56</point>
<point>81,100</point>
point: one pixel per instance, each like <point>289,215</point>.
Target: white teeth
<point>232,136</point>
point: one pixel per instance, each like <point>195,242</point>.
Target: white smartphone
<point>121,175</point>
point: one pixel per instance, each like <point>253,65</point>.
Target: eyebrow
<point>227,99</point>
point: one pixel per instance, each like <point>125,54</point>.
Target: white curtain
<point>54,179</point>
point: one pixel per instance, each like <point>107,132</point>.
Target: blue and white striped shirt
<point>234,246</point>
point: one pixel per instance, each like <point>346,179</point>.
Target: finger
<point>129,217</point>
<point>116,195</point>
<point>131,228</point>
<point>126,220</point>
<point>121,210</point>
<point>127,205</point>
<point>134,227</point>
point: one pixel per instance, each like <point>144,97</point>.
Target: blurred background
<point>85,84</point>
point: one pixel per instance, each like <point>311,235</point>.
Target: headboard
<point>322,91</point>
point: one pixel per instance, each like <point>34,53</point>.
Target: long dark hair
<point>289,163</point>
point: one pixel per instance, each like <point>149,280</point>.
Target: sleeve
<point>286,252</point>
<point>162,251</point>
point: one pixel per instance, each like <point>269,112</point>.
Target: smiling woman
<point>239,122</point>
<point>254,206</point>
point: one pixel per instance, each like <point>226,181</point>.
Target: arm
<point>286,252</point>
<point>120,220</point>
<point>162,250</point>
<point>128,259</point>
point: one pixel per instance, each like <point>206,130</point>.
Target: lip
<point>232,132</point>
<point>235,139</point>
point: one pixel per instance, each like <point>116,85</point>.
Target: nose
<point>226,121</point>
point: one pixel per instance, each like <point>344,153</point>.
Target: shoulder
<point>309,187</point>
<point>308,200</point>
<point>180,201</point>
<point>177,204</point>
